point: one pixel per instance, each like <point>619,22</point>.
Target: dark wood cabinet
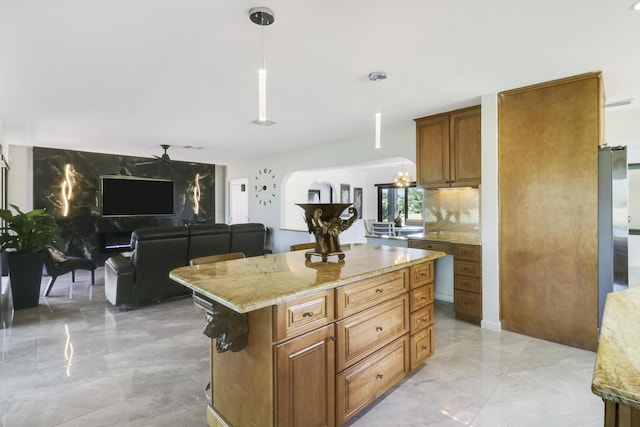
<point>448,149</point>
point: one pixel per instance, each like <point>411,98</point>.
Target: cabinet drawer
<point>304,314</point>
<point>365,332</point>
<point>362,383</point>
<point>421,347</point>
<point>421,319</point>
<point>421,274</point>
<point>361,295</point>
<point>467,283</point>
<point>420,297</point>
<point>468,252</point>
<point>467,303</point>
<point>468,268</point>
<point>430,245</point>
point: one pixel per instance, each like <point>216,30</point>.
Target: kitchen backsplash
<point>452,210</point>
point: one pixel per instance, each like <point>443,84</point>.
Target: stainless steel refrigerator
<point>613,223</point>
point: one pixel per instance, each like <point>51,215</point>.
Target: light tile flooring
<point>77,361</point>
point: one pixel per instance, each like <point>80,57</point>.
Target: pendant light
<point>376,76</point>
<point>402,178</point>
<point>262,16</point>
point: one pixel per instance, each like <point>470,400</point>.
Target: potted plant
<point>25,236</point>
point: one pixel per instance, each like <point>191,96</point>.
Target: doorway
<point>239,201</point>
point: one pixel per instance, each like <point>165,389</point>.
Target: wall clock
<point>265,186</point>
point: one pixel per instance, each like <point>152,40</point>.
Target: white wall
<point>395,145</point>
<point>20,177</point>
<point>489,220</point>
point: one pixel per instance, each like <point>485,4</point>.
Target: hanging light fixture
<point>262,16</point>
<point>376,76</point>
<point>402,178</point>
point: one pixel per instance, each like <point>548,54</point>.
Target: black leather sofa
<point>142,277</point>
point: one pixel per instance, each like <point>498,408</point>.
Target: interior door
<point>239,201</point>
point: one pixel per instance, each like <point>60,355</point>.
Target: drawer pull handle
<point>379,290</point>
<point>380,376</point>
<point>307,314</point>
<point>424,347</point>
<point>423,274</point>
<point>424,319</point>
<point>379,328</point>
<point>332,338</point>
<point>423,298</point>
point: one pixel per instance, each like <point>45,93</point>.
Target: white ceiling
<point>124,76</point>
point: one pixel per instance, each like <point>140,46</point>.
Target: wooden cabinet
<point>448,149</point>
<point>361,384</point>
<point>320,359</point>
<point>421,317</point>
<point>380,322</point>
<point>305,375</point>
<point>548,209</point>
<point>431,245</point>
<point>304,314</point>
<point>467,282</point>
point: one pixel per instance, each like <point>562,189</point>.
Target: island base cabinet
<point>363,382</point>
<point>620,415</point>
<point>421,347</point>
<point>305,380</point>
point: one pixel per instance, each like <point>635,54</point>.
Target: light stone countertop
<point>249,284</point>
<point>616,375</point>
<point>451,237</point>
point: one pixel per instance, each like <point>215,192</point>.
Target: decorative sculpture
<point>229,328</point>
<point>324,222</point>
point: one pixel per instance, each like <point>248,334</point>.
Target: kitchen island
<point>616,375</point>
<point>323,340</point>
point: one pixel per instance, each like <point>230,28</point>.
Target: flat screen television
<point>132,196</point>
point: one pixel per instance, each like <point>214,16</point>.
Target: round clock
<point>265,186</point>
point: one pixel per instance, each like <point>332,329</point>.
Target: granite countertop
<point>249,284</point>
<point>616,375</point>
<point>451,237</point>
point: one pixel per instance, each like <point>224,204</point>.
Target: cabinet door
<point>432,151</point>
<point>465,148</point>
<point>305,378</point>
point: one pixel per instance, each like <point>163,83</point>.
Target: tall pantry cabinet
<point>548,209</point>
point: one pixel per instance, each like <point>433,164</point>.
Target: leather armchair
<point>145,276</point>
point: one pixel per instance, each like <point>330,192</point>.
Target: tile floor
<point>77,361</point>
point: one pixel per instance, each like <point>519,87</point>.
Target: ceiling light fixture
<point>636,6</point>
<point>376,76</point>
<point>402,178</point>
<point>262,16</point>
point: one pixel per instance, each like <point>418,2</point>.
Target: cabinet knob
<point>379,290</point>
<point>307,314</point>
<point>332,338</point>
<point>423,274</point>
<point>379,328</point>
<point>424,347</point>
<point>380,376</point>
<point>423,298</point>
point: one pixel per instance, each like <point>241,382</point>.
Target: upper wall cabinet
<point>448,149</point>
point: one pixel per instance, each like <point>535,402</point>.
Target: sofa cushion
<point>248,239</point>
<point>209,239</point>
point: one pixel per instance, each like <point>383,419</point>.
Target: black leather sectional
<point>142,276</point>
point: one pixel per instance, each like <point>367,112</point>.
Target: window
<point>394,201</point>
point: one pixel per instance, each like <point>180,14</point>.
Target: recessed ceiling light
<point>636,6</point>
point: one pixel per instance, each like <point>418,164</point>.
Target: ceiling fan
<point>163,158</point>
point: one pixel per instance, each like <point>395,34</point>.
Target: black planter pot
<point>25,274</point>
